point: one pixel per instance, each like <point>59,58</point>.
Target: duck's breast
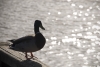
<point>40,40</point>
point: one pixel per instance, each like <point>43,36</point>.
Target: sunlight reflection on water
<point>81,44</point>
<point>72,30</point>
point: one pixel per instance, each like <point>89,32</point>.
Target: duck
<point>29,44</point>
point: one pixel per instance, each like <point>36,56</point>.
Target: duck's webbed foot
<point>30,57</point>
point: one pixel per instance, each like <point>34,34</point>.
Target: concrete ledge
<point>17,59</point>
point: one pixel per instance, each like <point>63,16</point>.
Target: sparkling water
<point>72,29</point>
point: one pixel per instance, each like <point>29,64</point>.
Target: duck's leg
<point>26,55</point>
<point>31,55</point>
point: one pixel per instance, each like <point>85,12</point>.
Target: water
<point>72,29</point>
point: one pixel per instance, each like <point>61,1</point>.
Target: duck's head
<point>38,24</point>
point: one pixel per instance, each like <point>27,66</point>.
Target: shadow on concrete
<point>31,63</point>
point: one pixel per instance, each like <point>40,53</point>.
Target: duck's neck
<point>36,29</point>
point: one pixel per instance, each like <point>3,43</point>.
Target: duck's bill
<point>42,27</point>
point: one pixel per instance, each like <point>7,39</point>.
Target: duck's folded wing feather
<point>23,39</point>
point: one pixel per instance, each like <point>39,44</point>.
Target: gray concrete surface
<point>17,59</point>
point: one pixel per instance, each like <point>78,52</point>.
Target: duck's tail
<point>11,40</point>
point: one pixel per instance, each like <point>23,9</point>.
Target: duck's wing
<point>20,40</point>
<point>25,44</point>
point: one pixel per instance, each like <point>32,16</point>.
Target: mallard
<point>30,43</point>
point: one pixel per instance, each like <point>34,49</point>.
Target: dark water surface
<point>72,29</point>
